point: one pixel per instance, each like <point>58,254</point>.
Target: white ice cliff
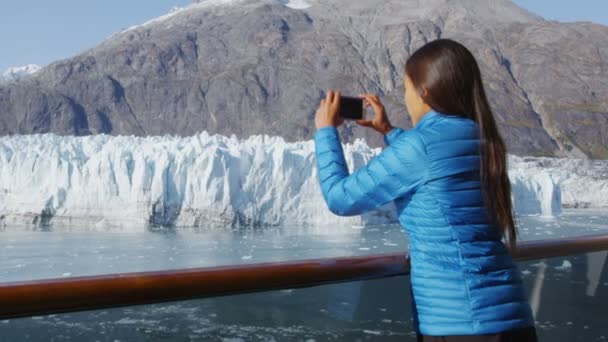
<point>583,183</point>
<point>206,181</point>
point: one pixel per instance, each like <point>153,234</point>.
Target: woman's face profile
<point>416,106</point>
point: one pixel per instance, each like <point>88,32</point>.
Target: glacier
<point>217,181</point>
<point>583,182</point>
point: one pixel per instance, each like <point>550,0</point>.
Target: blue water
<point>570,294</point>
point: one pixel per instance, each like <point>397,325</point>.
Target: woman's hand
<point>328,113</point>
<point>380,121</point>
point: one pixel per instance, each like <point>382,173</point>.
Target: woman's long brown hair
<point>447,76</point>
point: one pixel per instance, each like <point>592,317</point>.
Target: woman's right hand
<point>380,121</point>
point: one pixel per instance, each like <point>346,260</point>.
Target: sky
<point>42,31</point>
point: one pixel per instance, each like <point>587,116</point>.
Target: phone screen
<point>351,107</point>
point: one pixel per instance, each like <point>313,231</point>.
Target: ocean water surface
<point>569,295</point>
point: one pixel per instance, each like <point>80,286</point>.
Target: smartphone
<point>351,108</point>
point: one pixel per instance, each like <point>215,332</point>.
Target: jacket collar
<point>427,118</point>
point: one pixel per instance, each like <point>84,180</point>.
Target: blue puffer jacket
<point>463,279</point>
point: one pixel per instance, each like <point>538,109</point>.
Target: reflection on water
<point>569,295</point>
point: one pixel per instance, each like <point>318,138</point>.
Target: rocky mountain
<point>248,67</point>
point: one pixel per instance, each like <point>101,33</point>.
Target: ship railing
<point>62,295</point>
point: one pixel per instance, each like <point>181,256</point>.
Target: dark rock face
<point>259,67</point>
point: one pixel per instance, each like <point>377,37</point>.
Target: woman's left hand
<point>328,113</point>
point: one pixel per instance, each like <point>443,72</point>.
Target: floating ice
<point>566,265</point>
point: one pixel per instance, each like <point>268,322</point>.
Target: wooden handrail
<point>30,298</point>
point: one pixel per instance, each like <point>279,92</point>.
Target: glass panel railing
<point>562,289</point>
<point>371,310</point>
<point>571,222</point>
<point>569,296</point>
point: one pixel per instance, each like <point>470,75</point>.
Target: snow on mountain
<point>19,72</point>
<point>502,9</point>
<point>296,4</point>
<point>198,4</point>
<point>206,181</point>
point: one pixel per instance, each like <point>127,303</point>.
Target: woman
<point>448,178</point>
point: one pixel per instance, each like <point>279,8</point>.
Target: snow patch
<point>197,4</point>
<point>296,4</point>
<point>19,72</point>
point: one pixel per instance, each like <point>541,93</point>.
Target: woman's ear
<point>425,107</point>
<point>423,92</point>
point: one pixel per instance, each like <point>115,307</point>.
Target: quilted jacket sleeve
<point>398,170</point>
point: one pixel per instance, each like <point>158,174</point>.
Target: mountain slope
<point>248,67</point>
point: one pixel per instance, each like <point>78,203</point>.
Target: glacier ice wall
<point>583,182</point>
<point>204,181</point>
<point>535,193</point>
<point>176,181</point>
